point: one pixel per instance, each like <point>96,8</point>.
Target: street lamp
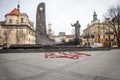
<point>88,38</point>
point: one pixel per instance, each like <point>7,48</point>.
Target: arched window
<point>10,21</point>
<point>21,20</point>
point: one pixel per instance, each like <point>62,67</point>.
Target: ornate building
<point>17,29</point>
<point>98,32</point>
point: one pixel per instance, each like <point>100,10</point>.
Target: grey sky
<point>61,13</point>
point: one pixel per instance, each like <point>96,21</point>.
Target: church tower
<point>49,29</point>
<point>18,6</point>
<point>50,32</point>
<point>94,16</point>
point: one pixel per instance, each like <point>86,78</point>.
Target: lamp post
<point>98,34</point>
<point>109,37</point>
<point>88,38</point>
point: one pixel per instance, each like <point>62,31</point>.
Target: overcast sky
<point>61,13</point>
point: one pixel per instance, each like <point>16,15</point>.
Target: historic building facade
<point>98,32</point>
<point>17,29</point>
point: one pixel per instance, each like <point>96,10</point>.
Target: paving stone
<point>102,65</point>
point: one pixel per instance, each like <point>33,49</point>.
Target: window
<point>10,21</point>
<point>29,32</point>
<point>0,31</point>
<point>21,20</point>
<point>16,21</point>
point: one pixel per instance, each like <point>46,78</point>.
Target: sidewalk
<point>101,65</point>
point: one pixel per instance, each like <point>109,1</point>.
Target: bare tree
<point>20,36</point>
<point>114,22</point>
<point>6,37</point>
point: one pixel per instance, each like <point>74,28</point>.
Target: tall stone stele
<point>40,23</point>
<point>41,32</point>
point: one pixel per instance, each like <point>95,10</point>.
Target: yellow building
<point>98,32</point>
<point>1,40</point>
<point>17,29</point>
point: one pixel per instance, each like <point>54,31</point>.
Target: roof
<point>23,14</point>
<point>69,36</point>
<point>14,12</point>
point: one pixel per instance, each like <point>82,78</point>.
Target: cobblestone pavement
<point>102,65</point>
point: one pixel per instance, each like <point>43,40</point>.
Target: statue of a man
<point>77,29</point>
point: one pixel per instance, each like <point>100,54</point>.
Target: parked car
<point>95,45</point>
<point>1,46</point>
<point>115,46</point>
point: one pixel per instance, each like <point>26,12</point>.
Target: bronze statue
<point>77,29</point>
